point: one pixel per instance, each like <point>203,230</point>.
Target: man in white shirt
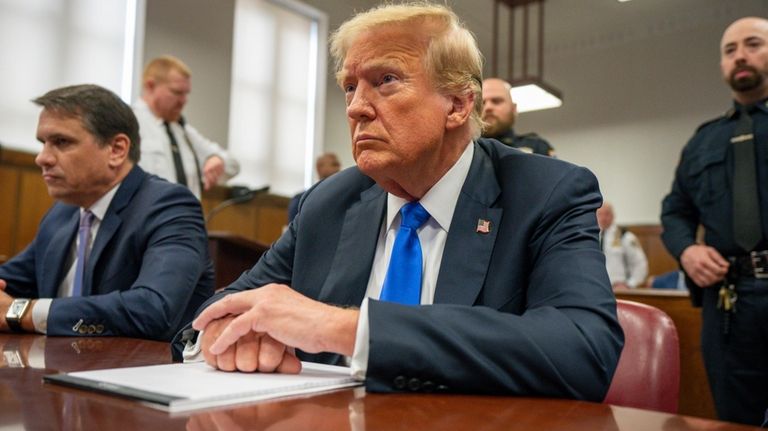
<point>624,256</point>
<point>171,148</point>
<point>437,263</point>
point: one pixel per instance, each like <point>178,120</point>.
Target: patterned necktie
<point>181,177</point>
<point>403,281</point>
<point>84,238</point>
<point>747,231</point>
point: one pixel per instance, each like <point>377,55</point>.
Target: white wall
<point>200,33</point>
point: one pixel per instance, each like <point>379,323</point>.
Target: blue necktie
<point>84,237</point>
<point>403,281</point>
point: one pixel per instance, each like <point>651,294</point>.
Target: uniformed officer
<point>499,113</point>
<point>624,257</point>
<point>721,183</point>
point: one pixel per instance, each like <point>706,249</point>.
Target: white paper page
<point>200,382</point>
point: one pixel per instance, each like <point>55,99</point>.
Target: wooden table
<point>27,403</point>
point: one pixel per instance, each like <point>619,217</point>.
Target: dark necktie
<point>402,283</point>
<point>181,177</point>
<point>747,231</point>
<point>84,238</point>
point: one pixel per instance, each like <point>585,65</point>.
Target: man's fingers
<point>230,304</point>
<point>717,258</point>
<point>247,359</point>
<point>270,354</point>
<point>713,267</point>
<point>238,327</point>
<point>212,312</point>
<point>225,360</point>
<point>290,363</point>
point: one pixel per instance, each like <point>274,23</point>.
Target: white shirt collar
<point>100,207</point>
<point>440,200</point>
<point>141,105</point>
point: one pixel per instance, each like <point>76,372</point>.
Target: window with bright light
<point>52,43</point>
<point>278,81</point>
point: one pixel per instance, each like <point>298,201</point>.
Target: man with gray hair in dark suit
<point>440,262</point>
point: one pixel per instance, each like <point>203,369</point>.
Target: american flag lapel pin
<point>483,226</point>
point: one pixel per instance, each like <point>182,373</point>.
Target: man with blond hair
<point>721,183</point>
<point>171,148</point>
<point>434,264</point>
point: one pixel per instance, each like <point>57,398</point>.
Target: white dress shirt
<point>624,257</point>
<point>440,202</point>
<point>156,155</point>
<point>43,305</point>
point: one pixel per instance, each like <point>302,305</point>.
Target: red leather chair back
<point>648,374</point>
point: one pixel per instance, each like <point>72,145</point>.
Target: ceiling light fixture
<point>529,91</point>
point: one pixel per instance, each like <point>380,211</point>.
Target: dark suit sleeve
<point>565,342</point>
<point>293,207</point>
<point>19,274</point>
<point>166,247</point>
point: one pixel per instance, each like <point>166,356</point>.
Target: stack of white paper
<point>182,387</point>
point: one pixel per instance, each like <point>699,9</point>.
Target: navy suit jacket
<point>526,309</point>
<point>148,271</point>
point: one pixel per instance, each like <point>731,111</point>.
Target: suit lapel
<point>111,223</point>
<point>462,275</point>
<point>351,268</point>
<point>56,256</point>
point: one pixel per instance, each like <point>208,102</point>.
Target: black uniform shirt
<point>702,188</point>
<point>529,142</point>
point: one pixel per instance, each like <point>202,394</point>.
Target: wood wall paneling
<point>659,259</point>
<point>261,220</point>
<point>232,255</point>
<point>34,202</point>
<point>24,198</point>
<point>9,183</point>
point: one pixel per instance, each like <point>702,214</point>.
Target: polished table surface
<point>28,403</point>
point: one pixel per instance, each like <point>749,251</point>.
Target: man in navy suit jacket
<point>147,269</point>
<point>515,298</point>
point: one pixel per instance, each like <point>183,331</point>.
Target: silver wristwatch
<point>16,312</point>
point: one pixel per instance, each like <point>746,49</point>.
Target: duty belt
<point>755,264</point>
